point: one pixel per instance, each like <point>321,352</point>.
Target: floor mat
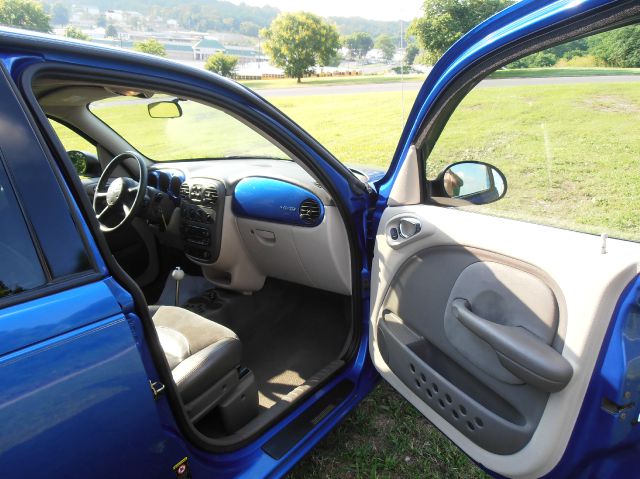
<point>288,332</point>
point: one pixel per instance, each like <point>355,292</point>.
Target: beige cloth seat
<point>204,356</point>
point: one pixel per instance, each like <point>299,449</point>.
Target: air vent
<point>210,196</point>
<point>309,211</point>
<point>184,191</point>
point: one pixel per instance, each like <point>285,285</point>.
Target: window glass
<point>564,131</point>
<point>71,141</point>
<point>20,268</point>
<point>200,132</point>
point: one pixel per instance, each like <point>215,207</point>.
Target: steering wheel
<point>117,203</point>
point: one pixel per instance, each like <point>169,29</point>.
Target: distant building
<point>207,47</point>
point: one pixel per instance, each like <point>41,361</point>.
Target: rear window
<point>20,268</point>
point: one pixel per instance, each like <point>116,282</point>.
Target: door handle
<point>519,351</point>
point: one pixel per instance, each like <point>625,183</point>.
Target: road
<point>413,86</point>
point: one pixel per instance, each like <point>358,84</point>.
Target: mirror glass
<point>476,182</point>
<point>164,109</point>
<point>79,160</point>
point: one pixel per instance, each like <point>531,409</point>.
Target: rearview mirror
<point>472,182</point>
<point>165,109</point>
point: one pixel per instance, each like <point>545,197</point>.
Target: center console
<point>201,210</point>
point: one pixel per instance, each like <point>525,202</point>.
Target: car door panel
<point>549,292</point>
<point>82,399</point>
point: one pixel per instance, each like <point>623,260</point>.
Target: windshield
<point>200,132</point>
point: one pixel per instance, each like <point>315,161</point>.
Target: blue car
<point>192,286</point>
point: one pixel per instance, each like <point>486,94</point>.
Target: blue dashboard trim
<point>163,179</point>
<point>274,200</point>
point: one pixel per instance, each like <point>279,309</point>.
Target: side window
<point>73,143</point>
<point>563,126</point>
<point>20,268</point>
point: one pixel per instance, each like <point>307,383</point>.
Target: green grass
<point>328,81</point>
<point>386,437</point>
<point>359,129</point>
<point>563,72</point>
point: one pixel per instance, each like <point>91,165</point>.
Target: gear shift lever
<point>178,275</point>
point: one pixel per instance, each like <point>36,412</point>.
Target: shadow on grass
<point>386,437</point>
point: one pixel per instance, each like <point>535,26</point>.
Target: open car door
<point>517,340</point>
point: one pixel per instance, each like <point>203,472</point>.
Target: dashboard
<point>244,220</point>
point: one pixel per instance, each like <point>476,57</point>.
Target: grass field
<point>562,72</point>
<point>324,81</point>
<point>571,154</point>
<point>381,79</point>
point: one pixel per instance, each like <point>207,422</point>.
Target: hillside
<point>218,16</point>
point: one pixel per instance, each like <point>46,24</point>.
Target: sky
<point>372,9</point>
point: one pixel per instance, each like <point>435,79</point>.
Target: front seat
<point>204,357</point>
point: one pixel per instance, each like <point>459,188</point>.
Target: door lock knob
<point>409,227</point>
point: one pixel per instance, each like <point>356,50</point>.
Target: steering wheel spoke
<point>105,212</point>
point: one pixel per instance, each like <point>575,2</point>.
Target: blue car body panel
<point>78,376</point>
<point>78,405</point>
<point>273,200</point>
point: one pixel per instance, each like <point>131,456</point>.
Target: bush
<point>537,60</point>
<point>405,70</point>
<point>587,61</point>
<point>151,46</point>
<point>618,48</point>
<point>74,32</point>
<point>222,64</point>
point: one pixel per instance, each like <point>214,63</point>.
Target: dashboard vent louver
<point>309,211</point>
<point>210,196</point>
<point>184,191</point>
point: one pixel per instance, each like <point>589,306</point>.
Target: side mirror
<point>472,182</point>
<point>84,163</point>
<point>165,109</point>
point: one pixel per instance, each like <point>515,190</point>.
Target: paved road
<point>412,86</point>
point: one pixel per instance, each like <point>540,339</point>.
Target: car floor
<point>288,332</point>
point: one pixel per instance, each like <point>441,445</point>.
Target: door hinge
<point>157,388</point>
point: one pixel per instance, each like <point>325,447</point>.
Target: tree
<point>385,44</point>
<point>102,21</point>
<point>222,64</point>
<point>25,14</point>
<point>411,53</point>
<point>298,41</point>
<point>445,21</point>
<point>73,32</point>
<point>111,32</point>
<point>618,48</point>
<point>151,46</point>
<point>60,14</point>
<point>358,44</point>
<point>249,28</point>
